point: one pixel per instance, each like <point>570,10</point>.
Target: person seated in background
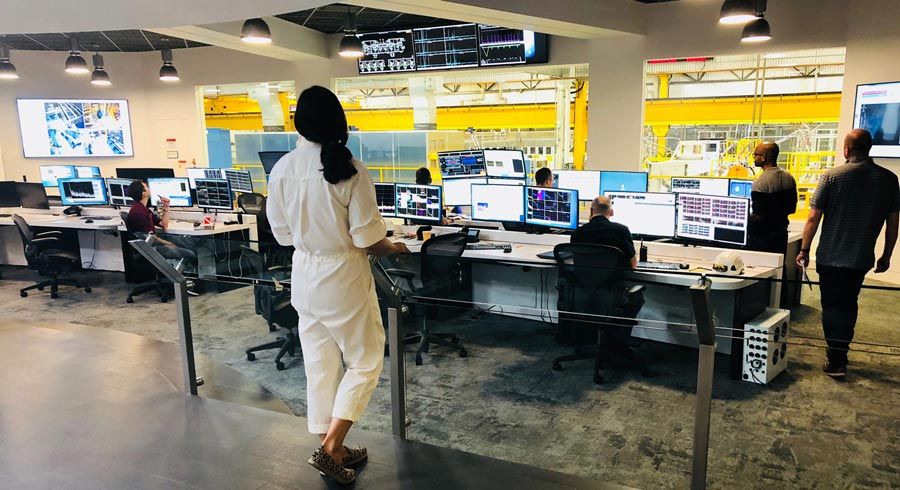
<point>543,177</point>
<point>145,222</point>
<point>601,231</point>
<point>423,176</point>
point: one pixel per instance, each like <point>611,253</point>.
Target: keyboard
<point>98,218</point>
<point>489,246</point>
<point>661,266</point>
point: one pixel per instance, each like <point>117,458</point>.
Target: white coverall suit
<point>332,287</point>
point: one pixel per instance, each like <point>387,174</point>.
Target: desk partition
<point>712,379</point>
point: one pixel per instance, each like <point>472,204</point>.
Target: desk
<point>509,280</point>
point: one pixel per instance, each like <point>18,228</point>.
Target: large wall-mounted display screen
<point>878,111</point>
<point>387,52</point>
<point>58,128</point>
<point>450,47</point>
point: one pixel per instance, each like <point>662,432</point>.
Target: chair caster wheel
<point>54,295</point>
<point>273,328</point>
<point>40,289</point>
<point>129,300</point>
<point>418,360</point>
<point>280,366</point>
<point>87,290</point>
<point>164,300</point>
<point>23,294</point>
<point>463,353</point>
<point>251,356</point>
<point>598,379</point>
<point>557,366</point>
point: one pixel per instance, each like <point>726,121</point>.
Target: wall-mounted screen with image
<point>878,111</point>
<point>59,128</point>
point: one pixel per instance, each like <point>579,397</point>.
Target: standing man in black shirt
<point>856,200</point>
<point>774,196</point>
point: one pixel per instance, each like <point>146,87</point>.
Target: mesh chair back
<point>252,203</point>
<point>441,257</point>
<point>589,265</point>
<point>24,230</point>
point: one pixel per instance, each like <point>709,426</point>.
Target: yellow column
<point>662,131</point>
<point>579,135</point>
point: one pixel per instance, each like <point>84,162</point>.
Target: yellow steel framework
<point>784,109</point>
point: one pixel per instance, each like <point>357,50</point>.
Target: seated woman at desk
<point>144,221</point>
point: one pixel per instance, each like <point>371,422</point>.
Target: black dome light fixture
<point>75,63</point>
<point>757,31</point>
<point>735,12</point>
<point>167,71</point>
<point>351,46</point>
<point>256,31</point>
<point>99,77</point>
<point>7,69</point>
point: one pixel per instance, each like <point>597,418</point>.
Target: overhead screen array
<point>878,111</point>
<point>59,128</point>
<point>449,47</point>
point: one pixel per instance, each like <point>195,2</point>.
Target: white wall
<point>158,110</point>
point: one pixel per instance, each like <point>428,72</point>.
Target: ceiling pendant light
<point>167,72</point>
<point>737,12</point>
<point>7,69</point>
<point>75,64</point>
<point>757,31</point>
<point>99,77</point>
<point>256,31</point>
<point>351,46</point>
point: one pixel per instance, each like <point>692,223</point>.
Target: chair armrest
<point>401,273</point>
<point>48,233</point>
<point>42,240</point>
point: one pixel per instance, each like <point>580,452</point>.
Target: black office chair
<point>252,203</point>
<point>273,253</point>
<point>275,307</point>
<point>160,286</point>
<point>591,284</point>
<point>441,276</point>
<point>44,256</point>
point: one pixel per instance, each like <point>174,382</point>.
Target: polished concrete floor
<point>88,408</point>
<point>804,430</point>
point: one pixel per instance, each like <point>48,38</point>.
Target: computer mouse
<point>684,265</point>
<point>88,221</point>
<point>507,250</point>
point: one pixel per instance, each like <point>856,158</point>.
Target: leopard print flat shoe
<point>326,465</point>
<point>355,456</point>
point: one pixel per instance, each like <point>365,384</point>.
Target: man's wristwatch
<point>804,250</point>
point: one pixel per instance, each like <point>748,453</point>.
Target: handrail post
<point>398,373</point>
<point>705,365</point>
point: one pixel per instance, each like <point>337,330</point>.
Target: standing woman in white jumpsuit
<point>322,201</point>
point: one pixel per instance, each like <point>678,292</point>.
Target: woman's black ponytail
<point>320,118</point>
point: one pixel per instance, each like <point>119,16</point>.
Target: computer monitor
<point>623,182</point>
<point>117,189</point>
<point>699,185</point>
<point>83,192</point>
<point>498,181</point>
<point>239,180</point>
<point>419,202</point>
<point>9,198</point>
<point>458,191</point>
<point>214,194</point>
<point>177,189</point>
<point>646,214</point>
<point>740,188</point>
<point>195,173</point>
<point>386,197</point>
<point>86,172</point>
<point>50,174</point>
<point>713,218</point>
<point>468,163</point>
<point>491,202</point>
<point>557,208</point>
<point>144,174</point>
<point>32,196</point>
<point>270,158</point>
<point>586,182</point>
<point>504,163</point>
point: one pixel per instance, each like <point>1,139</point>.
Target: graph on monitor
<point>444,47</point>
<point>713,218</point>
<point>385,197</point>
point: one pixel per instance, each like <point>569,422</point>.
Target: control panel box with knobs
<point>765,346</point>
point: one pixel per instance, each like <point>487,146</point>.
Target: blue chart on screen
<point>740,188</point>
<point>623,182</point>
<point>461,163</point>
<point>552,207</point>
<point>446,47</point>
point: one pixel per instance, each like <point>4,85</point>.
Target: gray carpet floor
<point>802,431</point>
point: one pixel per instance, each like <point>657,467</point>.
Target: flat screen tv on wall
<point>80,128</point>
<point>878,111</point>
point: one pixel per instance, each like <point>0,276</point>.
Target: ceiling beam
<point>290,42</point>
<point>585,19</point>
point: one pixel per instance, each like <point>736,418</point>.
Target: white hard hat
<point>729,262</point>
